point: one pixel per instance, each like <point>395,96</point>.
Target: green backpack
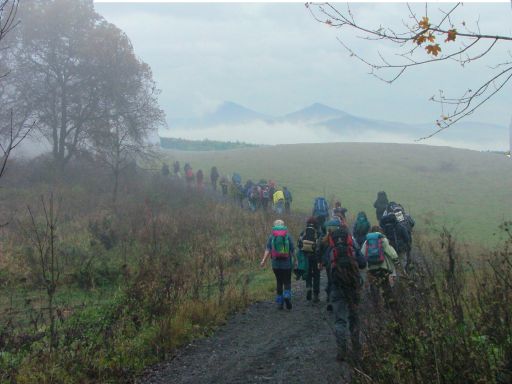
<point>280,243</point>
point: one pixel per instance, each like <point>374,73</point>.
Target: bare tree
<point>10,137</point>
<point>8,20</point>
<point>79,75</point>
<point>424,39</point>
<point>14,128</point>
<point>127,103</point>
<point>43,235</point>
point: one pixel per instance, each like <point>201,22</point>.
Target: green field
<point>468,191</point>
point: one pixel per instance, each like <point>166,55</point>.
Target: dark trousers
<point>313,276</point>
<point>346,319</point>
<point>328,286</point>
<point>283,280</point>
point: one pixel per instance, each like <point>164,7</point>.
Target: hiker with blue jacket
<point>280,249</point>
<point>382,262</point>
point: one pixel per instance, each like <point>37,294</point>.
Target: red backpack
<point>344,266</point>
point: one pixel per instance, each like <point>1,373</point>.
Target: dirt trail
<point>261,345</point>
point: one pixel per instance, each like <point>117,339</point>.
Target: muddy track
<point>261,345</point>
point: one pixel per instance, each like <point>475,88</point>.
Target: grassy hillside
<point>466,190</point>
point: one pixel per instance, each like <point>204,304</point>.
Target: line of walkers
<point>261,195</point>
<point>352,258</point>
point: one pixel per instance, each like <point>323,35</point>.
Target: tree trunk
<point>61,149</point>
<point>116,185</point>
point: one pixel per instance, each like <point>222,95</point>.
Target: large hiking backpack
<point>374,249</point>
<point>344,268</point>
<point>254,193</point>
<point>278,195</point>
<point>309,239</point>
<point>320,207</point>
<point>280,243</point>
<point>236,178</point>
<point>265,192</point>
<point>287,195</point>
<point>401,216</point>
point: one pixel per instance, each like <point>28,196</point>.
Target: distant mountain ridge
<point>340,123</point>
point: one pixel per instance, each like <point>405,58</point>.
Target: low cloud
<point>287,133</point>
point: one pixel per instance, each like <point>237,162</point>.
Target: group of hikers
<point>262,195</point>
<point>353,258</point>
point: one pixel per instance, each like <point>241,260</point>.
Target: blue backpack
<point>374,250</point>
<point>236,179</point>
<point>320,207</point>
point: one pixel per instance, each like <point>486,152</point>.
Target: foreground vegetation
<point>450,321</point>
<point>114,289</point>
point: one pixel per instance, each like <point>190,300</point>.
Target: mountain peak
<point>232,113</point>
<point>315,112</point>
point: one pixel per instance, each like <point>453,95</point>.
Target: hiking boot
<point>279,302</point>
<point>288,299</point>
<point>316,299</point>
<point>329,307</point>
<point>308,295</point>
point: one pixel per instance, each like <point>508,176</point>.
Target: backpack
<point>309,239</point>
<point>278,195</point>
<point>236,179</point>
<point>344,267</point>
<point>362,226</point>
<point>253,193</point>
<point>265,192</point>
<point>287,195</point>
<point>280,243</point>
<point>401,216</point>
<point>374,250</point>
<point>320,207</point>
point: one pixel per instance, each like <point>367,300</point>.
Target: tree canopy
<point>78,75</point>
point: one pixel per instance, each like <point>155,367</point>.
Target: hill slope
<point>467,190</point>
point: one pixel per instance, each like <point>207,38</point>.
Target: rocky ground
<point>261,345</point>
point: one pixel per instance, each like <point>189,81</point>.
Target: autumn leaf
<point>329,22</point>
<point>419,39</point>
<point>433,49</point>
<point>424,23</point>
<point>452,34</point>
<point>431,38</point>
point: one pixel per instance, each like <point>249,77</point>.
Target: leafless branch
<point>462,45</point>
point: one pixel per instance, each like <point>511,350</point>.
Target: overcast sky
<point>274,58</point>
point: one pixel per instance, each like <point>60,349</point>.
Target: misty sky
<point>275,58</point>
